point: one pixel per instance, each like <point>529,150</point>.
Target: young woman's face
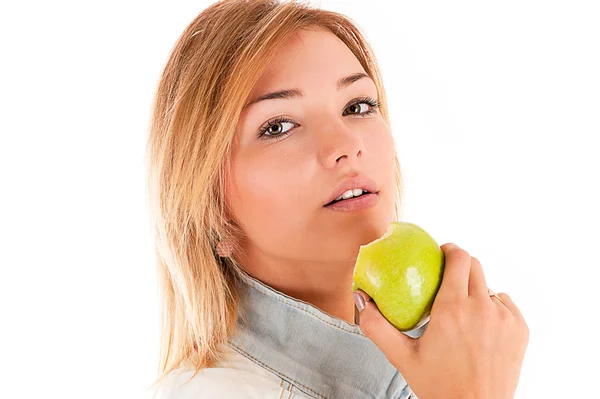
<point>281,180</point>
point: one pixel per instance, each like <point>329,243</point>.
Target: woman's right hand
<point>473,346</point>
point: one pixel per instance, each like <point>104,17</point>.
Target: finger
<point>457,266</point>
<point>510,305</point>
<point>477,283</point>
<point>398,348</point>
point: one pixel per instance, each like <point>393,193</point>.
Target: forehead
<point>310,58</point>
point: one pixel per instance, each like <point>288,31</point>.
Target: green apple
<point>402,271</point>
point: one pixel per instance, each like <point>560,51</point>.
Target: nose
<point>340,145</point>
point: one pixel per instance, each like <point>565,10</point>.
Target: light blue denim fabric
<point>320,355</point>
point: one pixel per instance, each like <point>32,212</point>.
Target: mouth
<point>352,189</point>
<point>350,199</point>
<point>359,203</point>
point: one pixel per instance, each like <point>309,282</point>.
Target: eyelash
<point>374,104</point>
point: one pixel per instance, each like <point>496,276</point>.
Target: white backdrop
<point>495,109</point>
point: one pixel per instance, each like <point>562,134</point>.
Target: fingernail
<point>358,301</point>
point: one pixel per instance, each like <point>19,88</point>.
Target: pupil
<point>274,126</point>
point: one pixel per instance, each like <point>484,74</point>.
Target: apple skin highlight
<point>402,272</point>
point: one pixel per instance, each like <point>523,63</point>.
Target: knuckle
<point>455,250</point>
<point>443,301</point>
<point>440,308</point>
<point>450,315</point>
<point>488,314</point>
<point>461,259</point>
<point>505,299</point>
<point>451,306</point>
<point>460,253</point>
<point>506,315</point>
<point>448,322</point>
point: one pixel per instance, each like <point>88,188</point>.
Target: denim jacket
<point>288,348</point>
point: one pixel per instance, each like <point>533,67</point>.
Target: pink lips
<point>355,204</point>
<point>360,181</point>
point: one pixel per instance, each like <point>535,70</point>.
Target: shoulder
<point>236,377</point>
<point>215,383</point>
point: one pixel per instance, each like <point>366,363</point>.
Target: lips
<point>360,181</point>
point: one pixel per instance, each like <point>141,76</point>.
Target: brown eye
<point>354,108</point>
<point>370,106</point>
<point>274,129</point>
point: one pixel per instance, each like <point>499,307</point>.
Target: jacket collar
<point>321,355</point>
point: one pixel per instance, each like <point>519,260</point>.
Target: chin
<point>346,246</point>
<point>343,240</point>
<point>371,228</point>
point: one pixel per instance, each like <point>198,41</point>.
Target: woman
<point>267,112</point>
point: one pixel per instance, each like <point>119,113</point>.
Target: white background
<point>495,109</point>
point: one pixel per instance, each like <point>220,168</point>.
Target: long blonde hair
<point>205,83</point>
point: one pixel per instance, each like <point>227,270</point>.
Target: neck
<point>326,286</point>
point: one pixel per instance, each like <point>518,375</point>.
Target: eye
<point>274,129</point>
<point>356,108</point>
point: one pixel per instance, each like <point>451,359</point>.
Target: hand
<point>473,346</point>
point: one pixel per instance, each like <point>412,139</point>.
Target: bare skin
<point>474,344</point>
<point>277,188</point>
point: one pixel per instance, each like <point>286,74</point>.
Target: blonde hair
<point>205,83</point>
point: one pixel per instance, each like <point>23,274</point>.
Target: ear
<point>224,249</point>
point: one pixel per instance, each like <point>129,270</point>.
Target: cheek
<point>381,148</point>
<point>383,167</point>
<point>264,195</point>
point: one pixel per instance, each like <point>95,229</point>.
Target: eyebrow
<point>297,93</point>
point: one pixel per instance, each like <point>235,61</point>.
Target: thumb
<point>398,348</point>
